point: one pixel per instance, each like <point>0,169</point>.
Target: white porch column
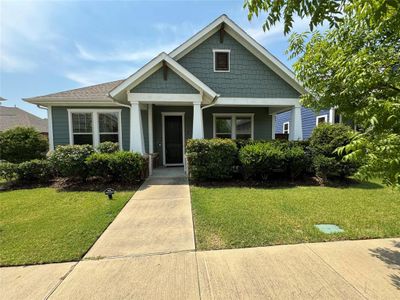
<point>332,116</point>
<point>150,125</point>
<point>50,127</point>
<point>296,130</point>
<point>136,136</point>
<point>273,120</point>
<point>198,130</point>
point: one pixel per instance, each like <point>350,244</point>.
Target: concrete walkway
<point>158,219</point>
<point>148,253</point>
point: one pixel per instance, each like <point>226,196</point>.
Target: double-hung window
<point>94,126</point>
<point>233,126</point>
<point>285,128</point>
<point>82,128</point>
<point>321,119</point>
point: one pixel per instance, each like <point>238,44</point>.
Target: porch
<point>162,123</point>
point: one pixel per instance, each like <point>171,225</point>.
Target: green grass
<point>43,225</point>
<point>234,217</point>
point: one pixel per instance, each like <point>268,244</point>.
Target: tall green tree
<point>354,67</point>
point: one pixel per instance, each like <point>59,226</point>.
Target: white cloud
<point>24,28</point>
<point>276,32</point>
<point>99,75</point>
<point>135,55</point>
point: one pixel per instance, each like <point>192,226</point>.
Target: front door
<point>173,140</point>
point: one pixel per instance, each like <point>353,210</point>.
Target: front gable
<point>248,77</point>
<point>172,84</point>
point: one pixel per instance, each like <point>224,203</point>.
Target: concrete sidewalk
<point>367,269</point>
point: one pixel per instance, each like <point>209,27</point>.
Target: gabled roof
<point>153,66</point>
<point>94,93</point>
<point>11,117</point>
<point>247,41</point>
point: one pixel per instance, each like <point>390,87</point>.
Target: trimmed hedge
<point>260,160</point>
<point>324,141</point>
<point>119,166</point>
<point>8,171</point>
<point>211,159</point>
<point>22,144</point>
<point>108,147</point>
<point>34,171</point>
<point>69,160</point>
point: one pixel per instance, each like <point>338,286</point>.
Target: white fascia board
<point>247,41</point>
<point>164,98</point>
<point>225,101</point>
<point>189,77</point>
<point>197,39</point>
<point>152,67</point>
<point>148,68</point>
<point>61,102</point>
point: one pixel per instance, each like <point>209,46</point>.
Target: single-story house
<point>11,117</point>
<point>309,120</point>
<point>219,83</point>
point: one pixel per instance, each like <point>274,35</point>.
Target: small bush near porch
<point>43,225</point>
<point>235,217</point>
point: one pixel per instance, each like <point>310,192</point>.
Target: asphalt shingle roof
<point>11,117</point>
<point>98,92</point>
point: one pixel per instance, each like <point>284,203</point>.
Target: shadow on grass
<point>392,259</point>
<point>284,184</point>
<point>68,185</point>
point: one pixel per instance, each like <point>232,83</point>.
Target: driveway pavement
<point>148,253</point>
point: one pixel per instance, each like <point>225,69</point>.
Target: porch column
<point>295,130</point>
<point>273,120</point>
<point>198,130</point>
<point>137,140</point>
<point>150,125</point>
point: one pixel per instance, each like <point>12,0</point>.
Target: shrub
<point>34,171</point>
<point>211,159</point>
<point>260,160</point>
<point>127,166</point>
<point>296,161</point>
<point>108,147</point>
<point>324,141</point>
<point>8,171</point>
<point>22,144</point>
<point>69,160</point>
<point>118,166</point>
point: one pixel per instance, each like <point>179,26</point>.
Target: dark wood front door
<point>173,140</point>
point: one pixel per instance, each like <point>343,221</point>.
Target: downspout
<point>213,102</point>
<point>49,126</point>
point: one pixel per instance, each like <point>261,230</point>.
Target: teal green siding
<point>262,121</point>
<point>248,76</point>
<point>61,128</point>
<point>155,83</point>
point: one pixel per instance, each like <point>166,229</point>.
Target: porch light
<point>109,192</point>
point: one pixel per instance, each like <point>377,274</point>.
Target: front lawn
<point>44,225</point>
<point>234,217</point>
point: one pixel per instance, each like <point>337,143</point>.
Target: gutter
<point>213,102</point>
<point>116,102</point>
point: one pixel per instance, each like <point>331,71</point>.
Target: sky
<point>51,46</point>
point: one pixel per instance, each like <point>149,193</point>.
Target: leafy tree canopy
<point>354,67</point>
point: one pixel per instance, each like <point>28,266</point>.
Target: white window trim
<point>233,118</point>
<point>283,127</point>
<point>95,124</point>
<point>321,117</point>
<point>179,114</point>
<point>229,60</point>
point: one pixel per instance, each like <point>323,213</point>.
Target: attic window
<point>222,60</point>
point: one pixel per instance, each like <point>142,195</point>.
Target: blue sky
<point>50,46</point>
